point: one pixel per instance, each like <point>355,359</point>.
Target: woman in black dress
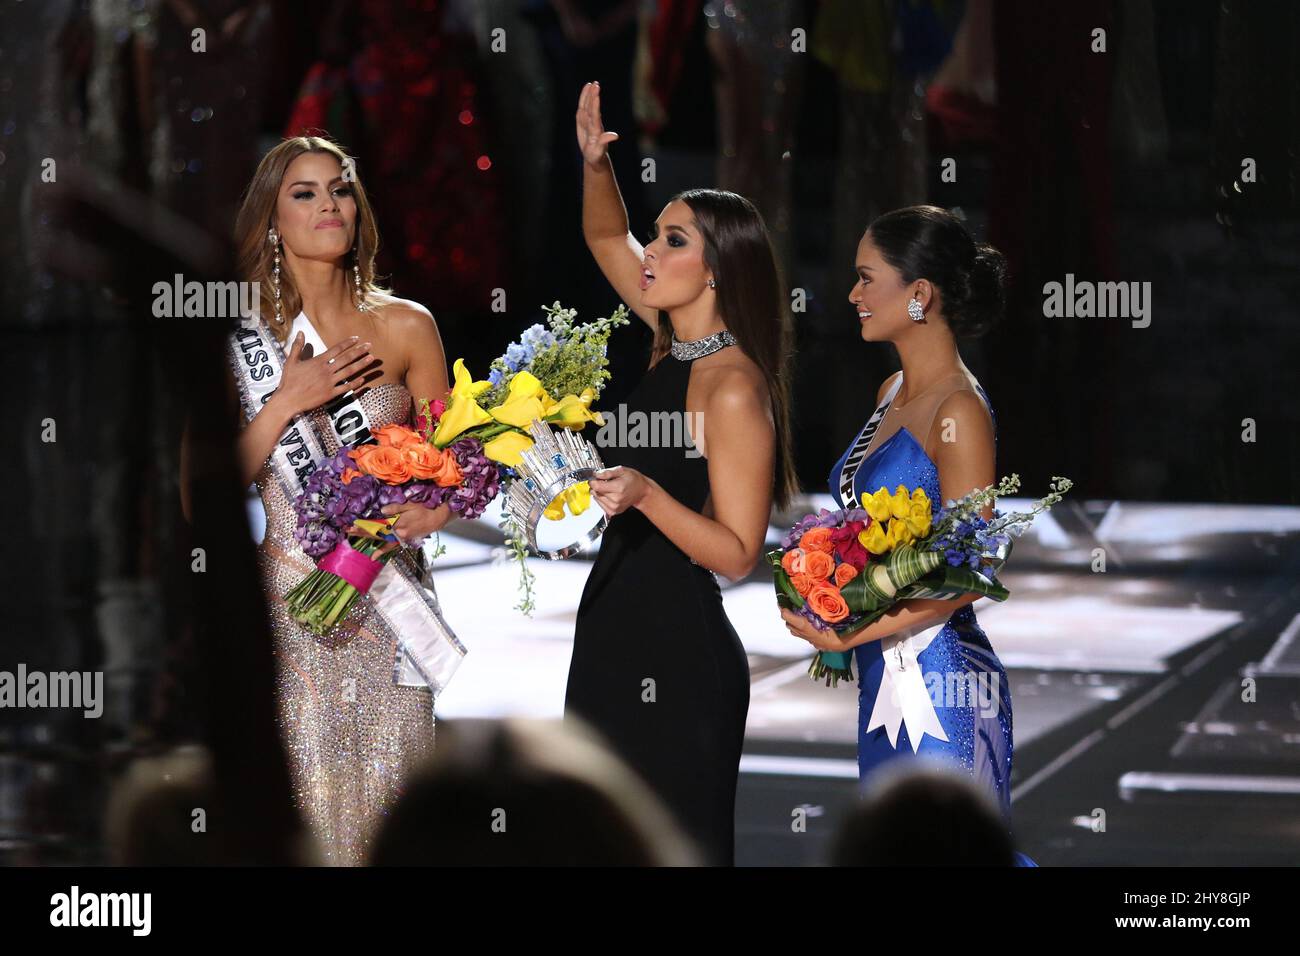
<point>657,668</point>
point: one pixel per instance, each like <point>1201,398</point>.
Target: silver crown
<point>557,461</point>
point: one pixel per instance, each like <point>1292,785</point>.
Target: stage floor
<point>1126,683</point>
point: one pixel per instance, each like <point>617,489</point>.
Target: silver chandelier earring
<point>914,310</point>
<point>275,274</point>
<point>356,280</point>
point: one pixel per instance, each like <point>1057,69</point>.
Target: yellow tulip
<point>462,412</point>
<point>900,503</point>
<point>555,510</point>
<point>875,539</point>
<point>508,448</point>
<point>899,532</point>
<point>918,522</point>
<point>877,504</point>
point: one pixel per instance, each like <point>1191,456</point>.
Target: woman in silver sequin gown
<point>352,734</point>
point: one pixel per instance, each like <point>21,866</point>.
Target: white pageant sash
<point>429,652</point>
<point>903,697</point>
<point>858,454</point>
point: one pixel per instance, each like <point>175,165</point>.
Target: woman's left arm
<point>740,438</point>
<point>962,436</point>
<point>426,378</point>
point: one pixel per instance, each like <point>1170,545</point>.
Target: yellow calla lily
<point>577,497</point>
<point>525,400</point>
<point>875,539</point>
<point>463,411</point>
<point>900,503</point>
<point>877,504</point>
<point>507,448</point>
<point>574,411</point>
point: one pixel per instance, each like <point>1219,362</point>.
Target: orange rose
<point>803,583</point>
<point>845,573</point>
<point>827,603</point>
<point>448,473</point>
<point>349,474</point>
<point>429,463</point>
<point>396,436</point>
<point>819,564</point>
<point>792,561</point>
<point>385,462</point>
<point>817,539</point>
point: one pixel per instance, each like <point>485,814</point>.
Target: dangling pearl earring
<point>914,310</point>
<point>356,280</point>
<point>275,274</point>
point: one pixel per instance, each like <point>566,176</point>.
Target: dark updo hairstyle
<point>927,242</point>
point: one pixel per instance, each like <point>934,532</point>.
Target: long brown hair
<point>254,219</point>
<point>751,301</point>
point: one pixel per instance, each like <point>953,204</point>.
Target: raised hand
<point>593,138</point>
<point>308,383</point>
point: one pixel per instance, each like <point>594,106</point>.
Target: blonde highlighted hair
<point>256,255</point>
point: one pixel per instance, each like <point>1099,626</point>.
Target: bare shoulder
<point>884,386</point>
<point>733,382</point>
<point>966,410</point>
<point>405,314</point>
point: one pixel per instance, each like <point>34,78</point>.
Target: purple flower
<point>807,612</point>
<point>481,480</point>
<point>317,539</point>
<point>426,493</point>
<point>391,494</point>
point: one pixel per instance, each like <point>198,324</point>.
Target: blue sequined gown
<point>978,728</point>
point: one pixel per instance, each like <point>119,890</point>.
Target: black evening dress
<point>657,668</point>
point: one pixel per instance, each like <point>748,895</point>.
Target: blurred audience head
<point>522,793</point>
<point>164,811</point>
<point>916,813</point>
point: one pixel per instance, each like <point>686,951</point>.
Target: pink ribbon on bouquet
<point>352,566</point>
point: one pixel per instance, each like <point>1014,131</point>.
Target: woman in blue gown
<point>930,685</point>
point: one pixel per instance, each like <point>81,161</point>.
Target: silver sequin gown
<point>351,734</point>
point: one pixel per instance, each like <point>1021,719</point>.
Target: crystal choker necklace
<point>689,351</point>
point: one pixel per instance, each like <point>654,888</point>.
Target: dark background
<point>1119,166</point>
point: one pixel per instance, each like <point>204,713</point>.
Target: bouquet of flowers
<point>562,358</point>
<point>459,453</point>
<point>340,519</point>
<point>842,570</point>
